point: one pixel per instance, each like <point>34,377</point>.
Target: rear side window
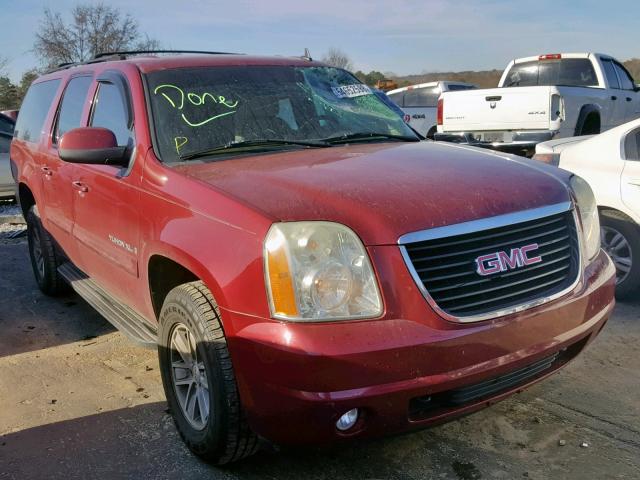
<point>109,112</point>
<point>576,72</point>
<point>397,98</point>
<point>34,110</point>
<point>610,72</point>
<point>626,82</point>
<point>73,101</point>
<point>422,97</point>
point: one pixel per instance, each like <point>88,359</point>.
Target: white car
<point>420,103</point>
<point>610,163</point>
<point>542,98</point>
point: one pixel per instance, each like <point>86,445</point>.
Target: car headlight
<point>319,271</point>
<point>588,210</point>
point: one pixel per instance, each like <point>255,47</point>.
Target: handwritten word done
<point>194,99</point>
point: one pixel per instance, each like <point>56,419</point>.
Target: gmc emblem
<point>501,261</point>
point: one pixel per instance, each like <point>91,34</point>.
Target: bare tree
<point>337,58</point>
<point>93,29</point>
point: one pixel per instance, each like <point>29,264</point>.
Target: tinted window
<point>109,112</point>
<point>569,71</point>
<point>73,101</point>
<point>626,82</point>
<point>34,109</point>
<point>610,72</point>
<point>457,88</point>
<point>396,98</point>
<point>5,141</point>
<point>421,97</point>
<point>6,124</point>
<point>632,146</point>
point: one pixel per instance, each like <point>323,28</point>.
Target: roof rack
<point>125,53</point>
<point>122,55</point>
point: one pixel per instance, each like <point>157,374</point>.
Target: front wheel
<point>621,240</point>
<point>198,377</point>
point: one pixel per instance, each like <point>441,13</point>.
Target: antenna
<point>307,55</point>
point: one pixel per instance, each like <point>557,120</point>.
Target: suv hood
<point>384,190</point>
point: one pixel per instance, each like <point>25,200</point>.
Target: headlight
<point>319,271</point>
<point>588,210</point>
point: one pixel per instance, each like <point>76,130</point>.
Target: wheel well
<point>26,198</point>
<point>591,124</point>
<point>617,212</point>
<point>164,276</point>
<point>589,117</point>
<point>431,132</point>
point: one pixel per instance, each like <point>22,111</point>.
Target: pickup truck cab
<point>420,103</point>
<point>540,98</point>
<point>309,271</point>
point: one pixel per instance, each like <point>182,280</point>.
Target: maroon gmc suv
<point>308,269</point>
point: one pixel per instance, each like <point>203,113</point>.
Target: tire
<point>216,428</point>
<point>43,255</point>
<point>621,240</point>
<point>432,131</point>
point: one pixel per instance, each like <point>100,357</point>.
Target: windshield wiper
<point>265,142</point>
<point>368,136</point>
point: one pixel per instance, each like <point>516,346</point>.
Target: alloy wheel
<point>618,248</point>
<point>36,251</point>
<point>189,377</point>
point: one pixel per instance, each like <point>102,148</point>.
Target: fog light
<point>348,420</point>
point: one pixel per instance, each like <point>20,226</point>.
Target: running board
<point>132,324</point>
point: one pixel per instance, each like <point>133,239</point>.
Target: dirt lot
<point>79,401</point>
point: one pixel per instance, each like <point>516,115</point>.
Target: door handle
<point>81,187</point>
<point>628,99</point>
<point>46,171</point>
<point>613,97</point>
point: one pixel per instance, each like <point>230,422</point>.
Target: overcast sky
<point>403,36</point>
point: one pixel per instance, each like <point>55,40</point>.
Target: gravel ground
<point>9,208</point>
<point>80,401</point>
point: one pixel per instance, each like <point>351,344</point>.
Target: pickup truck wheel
<point>43,255</point>
<point>198,377</point>
<point>621,240</point>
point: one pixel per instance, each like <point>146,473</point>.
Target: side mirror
<point>92,145</point>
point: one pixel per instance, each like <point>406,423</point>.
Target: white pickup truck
<point>541,98</point>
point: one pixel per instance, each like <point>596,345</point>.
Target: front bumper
<point>518,142</point>
<point>296,380</point>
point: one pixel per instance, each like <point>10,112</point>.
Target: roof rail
<point>124,53</point>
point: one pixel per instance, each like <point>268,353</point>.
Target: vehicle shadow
<point>32,321</point>
<point>141,442</point>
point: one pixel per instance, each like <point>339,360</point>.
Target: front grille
<point>447,267</point>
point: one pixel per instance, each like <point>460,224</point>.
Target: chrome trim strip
<point>485,224</point>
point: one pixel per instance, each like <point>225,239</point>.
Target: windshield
<point>577,72</point>
<point>200,109</point>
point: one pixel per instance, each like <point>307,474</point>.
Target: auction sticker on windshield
<point>350,91</point>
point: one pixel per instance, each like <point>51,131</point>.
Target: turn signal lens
<point>281,284</point>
